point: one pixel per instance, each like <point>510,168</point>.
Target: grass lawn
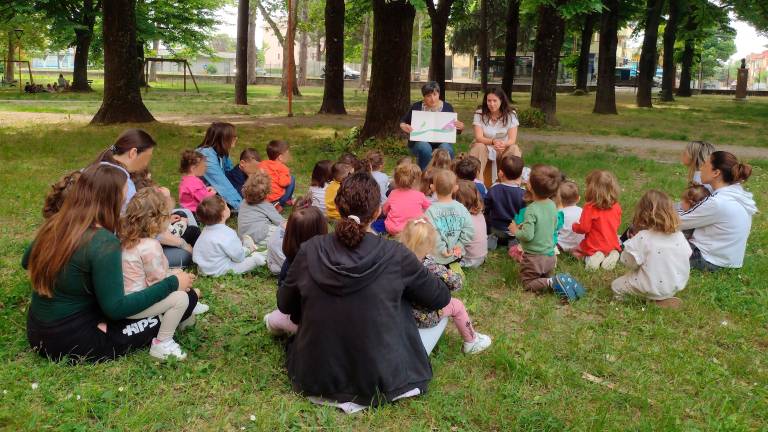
<point>712,118</point>
<point>700,368</point>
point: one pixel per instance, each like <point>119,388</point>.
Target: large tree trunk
<point>647,65</point>
<point>122,98</point>
<point>153,65</point>
<point>304,45</point>
<point>252,11</point>
<point>670,35</point>
<point>439,18</point>
<point>605,100</point>
<point>483,45</point>
<point>390,91</point>
<point>80,71</point>
<point>333,94</point>
<point>582,72</point>
<point>550,33</point>
<point>241,54</point>
<point>510,51</point>
<point>9,67</point>
<point>366,51</point>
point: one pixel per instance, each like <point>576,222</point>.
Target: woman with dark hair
<point>722,221</point>
<point>132,152</point>
<point>495,124</point>
<point>79,306</point>
<point>431,102</point>
<point>351,293</point>
<point>219,140</point>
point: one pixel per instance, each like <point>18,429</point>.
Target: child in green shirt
<point>535,237</point>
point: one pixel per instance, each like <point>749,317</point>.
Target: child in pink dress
<point>405,202</point>
<point>192,190</point>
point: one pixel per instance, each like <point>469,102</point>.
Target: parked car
<point>349,74</point>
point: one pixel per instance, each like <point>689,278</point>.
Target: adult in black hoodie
<point>351,294</point>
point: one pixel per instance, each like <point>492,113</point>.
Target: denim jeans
<point>423,151</point>
<point>288,192</point>
<point>699,263</point>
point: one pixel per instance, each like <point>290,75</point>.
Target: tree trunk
<point>390,91</point>
<point>290,58</point>
<point>333,94</point>
<point>582,72</point>
<point>686,61</point>
<point>9,67</point>
<point>483,45</point>
<point>140,64</point>
<point>366,51</point>
<point>241,54</point>
<point>80,71</point>
<point>686,66</point>
<point>122,98</point>
<point>304,46</point>
<point>605,100</point>
<point>153,65</point>
<point>550,33</point>
<point>439,17</point>
<point>252,12</point>
<point>647,65</point>
<point>670,35</point>
<point>510,51</point>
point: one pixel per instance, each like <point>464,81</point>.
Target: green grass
<point>713,118</point>
<point>701,368</point>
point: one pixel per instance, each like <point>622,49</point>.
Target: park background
<point>594,365</point>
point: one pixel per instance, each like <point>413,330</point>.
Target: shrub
<point>531,118</point>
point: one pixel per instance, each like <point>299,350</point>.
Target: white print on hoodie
<point>722,223</point>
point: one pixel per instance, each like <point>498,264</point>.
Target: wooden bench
<point>465,90</point>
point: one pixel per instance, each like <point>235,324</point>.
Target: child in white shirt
<point>218,250</point>
<point>657,255</point>
<point>376,161</point>
<point>569,196</point>
<point>321,176</point>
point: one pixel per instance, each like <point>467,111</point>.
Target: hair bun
<point>741,172</point>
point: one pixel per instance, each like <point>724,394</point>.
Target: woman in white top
<point>722,221</point>
<point>495,124</point>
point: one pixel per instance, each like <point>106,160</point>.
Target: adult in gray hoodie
<point>722,221</point>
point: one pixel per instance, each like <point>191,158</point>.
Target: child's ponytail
<point>358,204</point>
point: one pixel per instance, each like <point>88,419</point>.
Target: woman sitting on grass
<point>722,221</point>
<point>79,307</point>
<point>350,293</point>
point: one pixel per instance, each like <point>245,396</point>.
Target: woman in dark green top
<point>79,306</point>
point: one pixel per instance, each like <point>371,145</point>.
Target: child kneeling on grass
<point>599,222</point>
<point>538,243</point>
<point>144,264</point>
<point>421,237</point>
<point>303,224</point>
<point>218,250</point>
<point>258,219</point>
<point>657,256</point>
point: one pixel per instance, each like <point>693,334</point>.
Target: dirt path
<point>643,147</point>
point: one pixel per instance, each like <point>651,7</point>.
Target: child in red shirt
<point>599,222</point>
<point>283,183</point>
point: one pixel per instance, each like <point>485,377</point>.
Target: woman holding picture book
<point>431,103</point>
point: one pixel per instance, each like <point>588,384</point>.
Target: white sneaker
<point>593,262</point>
<point>167,348</point>
<point>480,343</point>
<point>610,261</point>
<point>200,308</point>
<point>270,330</point>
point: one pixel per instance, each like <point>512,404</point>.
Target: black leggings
<point>77,337</point>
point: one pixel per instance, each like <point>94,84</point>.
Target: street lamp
<point>18,32</point>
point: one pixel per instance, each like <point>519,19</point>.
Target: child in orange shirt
<point>283,183</point>
<point>599,222</point>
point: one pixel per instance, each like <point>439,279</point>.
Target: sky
<point>747,39</point>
